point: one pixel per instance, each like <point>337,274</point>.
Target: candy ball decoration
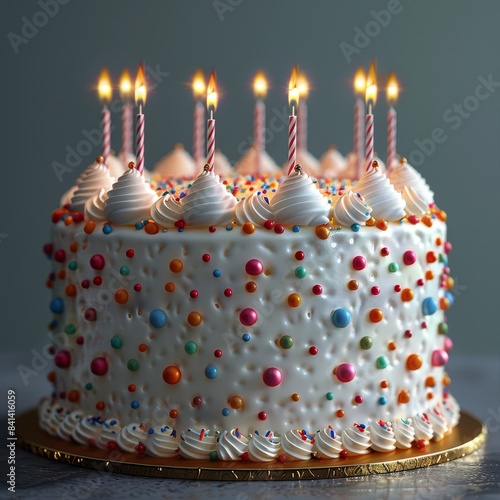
<point>62,359</point>
<point>99,366</point>
<point>57,305</point>
<point>97,262</point>
<point>272,377</point>
<point>345,372</point>
<point>448,344</point>
<point>359,263</point>
<point>90,314</point>
<point>248,316</point>
<point>254,267</point>
<point>429,306</point>
<point>409,258</point>
<point>158,318</point>
<point>171,375</point>
<point>341,317</point>
<point>211,372</point>
<point>439,357</point>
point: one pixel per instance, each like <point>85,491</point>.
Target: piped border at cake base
<point>467,437</point>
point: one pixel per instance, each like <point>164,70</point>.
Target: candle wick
<point>212,113</point>
<point>140,108</point>
<point>293,109</point>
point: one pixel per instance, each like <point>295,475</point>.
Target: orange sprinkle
<point>371,222</point>
<point>391,346</point>
<point>131,388</point>
<point>294,300</point>
<point>430,395</point>
<point>68,220</point>
<point>429,275</point>
<point>171,374</point>
<point>429,381</point>
<point>73,247</point>
<point>151,227</point>
<point>100,406</point>
<point>73,396</point>
<point>51,377</point>
<point>382,224</point>
<point>340,413</point>
<point>353,285</point>
<point>142,347</point>
<point>251,286</point>
<point>384,384</point>
<point>446,380</point>
<point>439,241</point>
<point>407,295</point>
<point>441,215</point>
<point>427,220</point>
<point>322,232</point>
<point>169,287</point>
<point>89,227</point>
<point>70,290</point>
<point>376,315</point>
<point>413,362</point>
<point>173,414</point>
<point>444,303</point>
<point>236,402</point>
<point>194,318</point>
<point>61,274</point>
<point>121,296</point>
<point>431,257</point>
<point>450,283</point>
<point>248,228</point>
<point>295,397</point>
<point>403,397</point>
<point>176,266</point>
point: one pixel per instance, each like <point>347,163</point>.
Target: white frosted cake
<point>250,318</point>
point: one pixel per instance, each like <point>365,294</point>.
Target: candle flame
<point>260,85</point>
<point>359,81</point>
<point>212,97</point>
<point>302,85</point>
<point>140,85</point>
<point>392,89</point>
<point>293,90</point>
<point>125,85</point>
<point>199,85</point>
<point>104,88</point>
<point>371,84</point>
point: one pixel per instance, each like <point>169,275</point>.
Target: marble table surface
<point>475,384</point>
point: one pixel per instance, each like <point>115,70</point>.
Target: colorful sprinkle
<point>272,377</point>
<point>171,375</point>
<point>211,372</point>
<point>99,366</point>
<point>345,372</point>
<point>341,317</point>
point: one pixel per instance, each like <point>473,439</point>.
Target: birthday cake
<point>250,318</point>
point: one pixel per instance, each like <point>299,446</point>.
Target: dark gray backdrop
<point>440,51</point>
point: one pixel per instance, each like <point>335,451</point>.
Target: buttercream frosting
<point>231,445</point>
<point>130,436</point>
<point>177,164</point>
<point>404,433</point>
<point>94,208</point>
<point>356,439</point>
<point>166,211</point>
<point>263,448</point>
<point>297,445</point>
<point>162,442</point>
<point>327,443</point>
<point>351,209</point>
<point>405,175</point>
<point>382,436</point>
<point>254,208</point>
<point>196,443</point>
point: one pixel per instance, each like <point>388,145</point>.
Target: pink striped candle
<point>368,140</point>
<point>106,133</point>
<point>391,136</point>
<point>259,123</point>
<point>198,132</point>
<point>211,142</point>
<point>127,128</point>
<point>359,123</point>
<point>139,141</point>
<point>292,143</point>
<point>371,98</point>
<point>302,124</point>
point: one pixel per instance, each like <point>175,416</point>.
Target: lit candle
<point>259,121</point>
<point>199,89</point>
<point>371,98</point>
<point>212,100</point>
<point>293,100</point>
<point>140,100</point>
<point>302,120</point>
<point>359,116</point>
<point>127,122</point>
<point>392,96</point>
<point>105,92</point>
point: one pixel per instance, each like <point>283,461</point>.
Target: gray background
<point>438,49</point>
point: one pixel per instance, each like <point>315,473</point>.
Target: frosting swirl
<point>438,422</point>
<point>196,444</point>
<point>415,204</point>
<point>327,444</point>
<point>332,163</point>
<point>176,164</point>
<point>94,208</point>
<point>382,436</point>
<point>451,410</point>
<point>231,445</point>
<point>423,427</point>
<point>380,195</point>
<point>110,432</point>
<point>208,202</point>
<point>404,433</point>
<point>295,447</point>
<point>254,209</point>
<point>130,199</point>
<point>162,442</point>
<point>299,201</point>
<point>166,211</point>
<point>356,439</point>
<point>93,178</point>
<point>54,419</point>
<point>130,436</point>
<point>262,448</point>
<point>87,431</point>
<point>406,175</point>
<point>71,420</point>
<point>351,209</point>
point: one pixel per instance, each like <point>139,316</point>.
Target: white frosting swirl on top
<point>176,164</point>
<point>380,195</point>
<point>130,436</point>
<point>247,164</point>
<point>162,442</point>
<point>93,178</point>
<point>130,199</point>
<point>415,204</point>
<point>71,420</point>
<point>208,202</point>
<point>166,211</point>
<point>66,197</point>
<point>254,209</point>
<point>87,431</point>
<point>356,439</point>
<point>299,201</point>
<point>351,209</point>
<point>94,208</point>
<point>382,436</point>
<point>404,433</point>
<point>327,443</point>
<point>110,432</point>
<point>405,175</point>
<point>438,422</point>
<point>44,414</point>
<point>196,444</point>
<point>332,163</point>
<point>262,448</point>
<point>231,445</point>
<point>451,410</point>
<point>295,447</point>
<point>423,427</point>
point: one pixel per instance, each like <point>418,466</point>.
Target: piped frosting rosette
<point>70,421</point>
<point>53,419</point>
<point>94,208</point>
<point>255,208</point>
<point>415,204</point>
<point>327,443</point>
<point>87,431</point>
<point>356,439</point>
<point>298,201</point>
<point>231,445</point>
<point>423,427</point>
<point>93,178</point>
<point>208,202</point>
<point>166,211</point>
<point>297,445</point>
<point>130,436</point>
<point>332,163</point>
<point>109,434</point>
<point>197,444</point>
<point>162,442</point>
<point>263,448</point>
<point>382,436</point>
<point>380,195</point>
<point>404,433</point>
<point>176,164</point>
<point>451,410</point>
<point>438,422</point>
<point>404,175</point>
<point>351,209</point>
<point>130,199</point>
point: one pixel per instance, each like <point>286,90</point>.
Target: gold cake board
<point>467,436</point>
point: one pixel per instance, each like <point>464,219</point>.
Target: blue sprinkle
<point>106,229</point>
<point>450,297</point>
<point>246,337</point>
<point>158,318</point>
<point>217,273</point>
<point>57,305</point>
<point>139,225</point>
<point>164,230</point>
<point>341,317</point>
<point>382,400</point>
<point>182,195</point>
<point>113,422</point>
<point>355,227</point>
<point>151,431</point>
<point>180,230</point>
<point>225,412</point>
<point>429,306</point>
<point>135,404</point>
<point>296,229</point>
<point>229,227</point>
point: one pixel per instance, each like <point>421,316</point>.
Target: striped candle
<point>106,134</point>
<point>259,123</point>
<point>139,144</point>
<point>292,143</point>
<point>368,139</point>
<point>127,127</point>
<point>302,124</point>
<point>211,143</point>
<point>198,132</point>
<point>391,136</point>
<point>359,111</point>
